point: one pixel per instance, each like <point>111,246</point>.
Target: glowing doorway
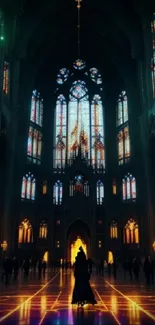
<point>75,248</point>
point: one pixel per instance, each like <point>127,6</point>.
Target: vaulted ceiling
<point>111,33</point>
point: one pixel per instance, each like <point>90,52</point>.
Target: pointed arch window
<point>28,190</point>
<point>43,230</point>
<point>6,78</point>
<point>113,230</point>
<point>97,133</point>
<point>99,192</point>
<point>79,123</point>
<point>131,232</point>
<point>57,193</point>
<point>44,188</point>
<point>34,146</point>
<point>153,55</point>
<point>129,188</point>
<point>60,133</point>
<point>36,115</point>
<point>79,185</point>
<point>123,138</point>
<point>25,232</point>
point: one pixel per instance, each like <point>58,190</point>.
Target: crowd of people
<point>132,268</point>
<point>128,268</point>
<point>11,267</point>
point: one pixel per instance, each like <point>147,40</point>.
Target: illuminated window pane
<point>6,78</point>
<point>114,230</point>
<point>36,113</point>
<point>44,188</point>
<point>34,147</point>
<point>123,138</point>
<point>129,188</point>
<point>25,232</point>
<point>99,192</point>
<point>114,187</point>
<point>57,193</point>
<point>97,131</point>
<point>131,232</point>
<point>43,230</point>
<point>60,133</point>
<point>28,188</point>
<point>153,54</point>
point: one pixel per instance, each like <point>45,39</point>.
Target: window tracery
<point>129,188</point>
<point>28,190</point>
<point>113,230</point>
<point>43,230</point>
<point>99,192</point>
<point>123,137</point>
<point>131,232</point>
<point>25,232</point>
<point>57,193</point>
<point>79,124</point>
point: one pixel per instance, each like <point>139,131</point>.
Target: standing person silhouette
<point>82,292</point>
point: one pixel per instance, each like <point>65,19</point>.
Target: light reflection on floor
<point>51,304</point>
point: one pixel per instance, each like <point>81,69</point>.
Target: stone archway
<point>78,232</point>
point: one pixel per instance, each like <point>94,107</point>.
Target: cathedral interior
<point>77,129</point>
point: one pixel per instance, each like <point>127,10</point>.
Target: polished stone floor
<point>49,302</point>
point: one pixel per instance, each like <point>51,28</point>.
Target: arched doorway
<point>78,234</point>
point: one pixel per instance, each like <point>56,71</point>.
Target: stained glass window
<point>36,115</point>
<point>44,188</point>
<point>97,133</point>
<point>129,188</point>
<point>34,146</point>
<point>131,233</point>
<point>114,186</point>
<point>60,135</point>
<point>43,230</point>
<point>28,190</point>
<point>113,230</point>
<point>123,137</point>
<point>79,64</point>
<point>95,76</point>
<point>78,89</point>
<point>99,192</point>
<point>57,193</point>
<point>79,185</point>
<point>62,76</point>
<point>25,232</point>
<point>6,78</point>
<point>153,54</point>
<point>79,127</point>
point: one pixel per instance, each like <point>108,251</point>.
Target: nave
<point>49,302</point>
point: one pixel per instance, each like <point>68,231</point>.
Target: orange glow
<point>131,232</point>
<point>25,233</point>
<point>75,248</point>
<point>110,257</point>
<point>43,230</point>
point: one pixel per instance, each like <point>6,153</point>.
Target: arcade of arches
<point>77,134</point>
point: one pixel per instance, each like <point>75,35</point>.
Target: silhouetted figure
<point>15,268</point>
<point>40,265</point>
<point>130,268</point>
<point>109,270</point>
<point>8,267</point>
<point>136,268</point>
<point>147,269</point>
<point>26,268</point>
<point>125,267</point>
<point>82,292</point>
<point>101,268</point>
<point>44,266</point>
<point>114,265</point>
